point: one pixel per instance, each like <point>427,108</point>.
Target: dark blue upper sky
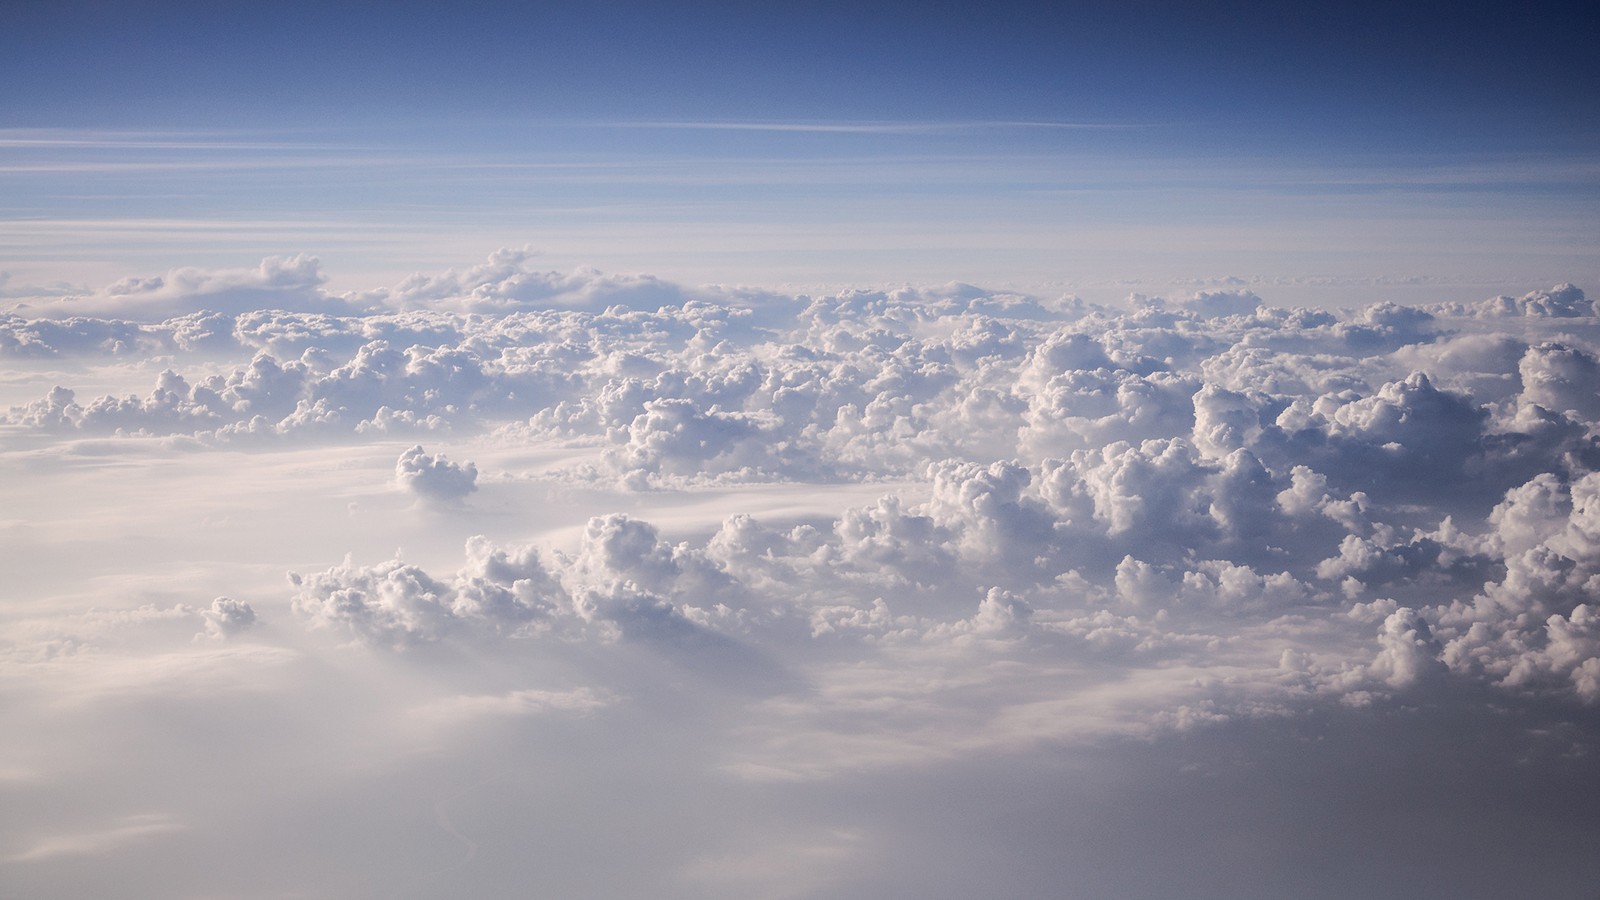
<point>1499,73</point>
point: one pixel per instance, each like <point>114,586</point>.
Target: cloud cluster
<point>1204,453</point>
<point>293,283</point>
<point>879,529</point>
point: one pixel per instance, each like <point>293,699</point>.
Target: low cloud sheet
<point>497,581</point>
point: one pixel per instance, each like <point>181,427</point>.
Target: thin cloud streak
<point>871,127</point>
<point>134,829</point>
<point>1046,171</point>
<point>94,139</point>
<point>89,143</point>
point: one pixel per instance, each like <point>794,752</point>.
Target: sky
<point>1068,147</point>
<point>842,451</point>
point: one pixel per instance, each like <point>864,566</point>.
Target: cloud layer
<point>819,541</point>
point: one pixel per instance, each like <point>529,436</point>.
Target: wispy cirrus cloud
<point>104,139</point>
<point>130,831</point>
<point>870,127</point>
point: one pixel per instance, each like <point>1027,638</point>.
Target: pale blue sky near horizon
<point>1077,147</point>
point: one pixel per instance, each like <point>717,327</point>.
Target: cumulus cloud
<point>1409,653</point>
<point>1562,301</point>
<point>509,281</point>
<point>813,540</point>
<point>1562,379</point>
<point>391,604</point>
<point>227,617</point>
<point>288,283</point>
<point>1219,303</point>
<point>433,477</point>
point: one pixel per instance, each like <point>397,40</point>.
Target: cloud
<point>227,617</point>
<point>1220,303</point>
<point>433,477</point>
<point>287,283</point>
<point>514,704</point>
<point>390,604</point>
<point>1561,379</point>
<point>1409,654</point>
<point>130,831</point>
<point>1562,301</point>
<point>856,545</point>
<point>509,282</point>
<point>864,127</point>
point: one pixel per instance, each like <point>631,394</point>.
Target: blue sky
<point>1032,144</point>
<point>1440,71</point>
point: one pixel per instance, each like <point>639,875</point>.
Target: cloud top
<point>784,543</point>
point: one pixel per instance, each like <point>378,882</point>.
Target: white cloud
<point>1562,379</point>
<point>746,543</point>
<point>1409,654</point>
<point>227,617</point>
<point>508,282</point>
<point>1561,301</point>
<point>288,283</point>
<point>391,603</point>
<point>433,477</point>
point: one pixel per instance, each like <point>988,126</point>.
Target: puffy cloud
<point>508,282</point>
<point>1220,303</point>
<point>987,507</point>
<point>1092,408</point>
<point>751,540</point>
<point>1409,652</point>
<point>390,604</point>
<point>498,590</point>
<point>618,549</point>
<point>1482,365</point>
<point>1407,440</point>
<point>672,437</point>
<point>887,537</point>
<point>433,477</point>
<point>1386,324</point>
<point>1224,421</point>
<point>511,589</point>
<point>42,338</point>
<point>1570,653</point>
<point>1154,491</point>
<point>1411,414</point>
<point>287,283</point>
<point>1001,614</point>
<point>227,617</point>
<point>1211,584</point>
<point>1561,301</point>
<point>1562,379</point>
